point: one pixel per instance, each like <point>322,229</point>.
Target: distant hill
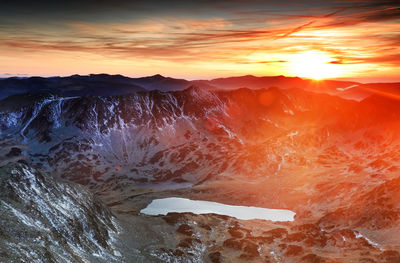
<point>109,85</point>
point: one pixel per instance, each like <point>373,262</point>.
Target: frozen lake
<point>183,205</point>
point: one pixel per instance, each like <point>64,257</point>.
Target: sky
<point>341,39</point>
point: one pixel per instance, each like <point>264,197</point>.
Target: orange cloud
<point>358,35</point>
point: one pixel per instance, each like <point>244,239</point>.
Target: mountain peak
<point>157,76</point>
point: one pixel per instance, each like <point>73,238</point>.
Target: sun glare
<point>314,65</point>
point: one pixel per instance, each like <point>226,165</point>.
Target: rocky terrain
<point>79,163</point>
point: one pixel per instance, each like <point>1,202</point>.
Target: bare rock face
<point>47,220</point>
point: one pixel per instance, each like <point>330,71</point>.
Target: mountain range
<point>107,85</point>
<point>82,155</point>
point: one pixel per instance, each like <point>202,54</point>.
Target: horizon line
<point>355,80</point>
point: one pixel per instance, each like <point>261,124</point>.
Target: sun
<point>314,65</point>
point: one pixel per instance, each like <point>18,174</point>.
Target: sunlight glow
<point>314,65</point>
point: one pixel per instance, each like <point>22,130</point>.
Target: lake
<point>182,205</point>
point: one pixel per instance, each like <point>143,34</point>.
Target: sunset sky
<point>346,39</point>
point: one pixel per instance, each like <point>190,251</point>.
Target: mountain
<point>345,89</point>
<point>270,142</point>
<point>252,82</point>
<point>159,82</point>
<point>108,85</point>
<point>49,220</point>
<point>91,85</point>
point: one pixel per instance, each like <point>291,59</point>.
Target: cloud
<point>232,33</point>
<point>297,29</point>
<point>392,59</point>
<point>392,13</point>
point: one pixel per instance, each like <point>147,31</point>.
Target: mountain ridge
<point>109,85</point>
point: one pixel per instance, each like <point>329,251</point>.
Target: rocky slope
<point>50,221</point>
